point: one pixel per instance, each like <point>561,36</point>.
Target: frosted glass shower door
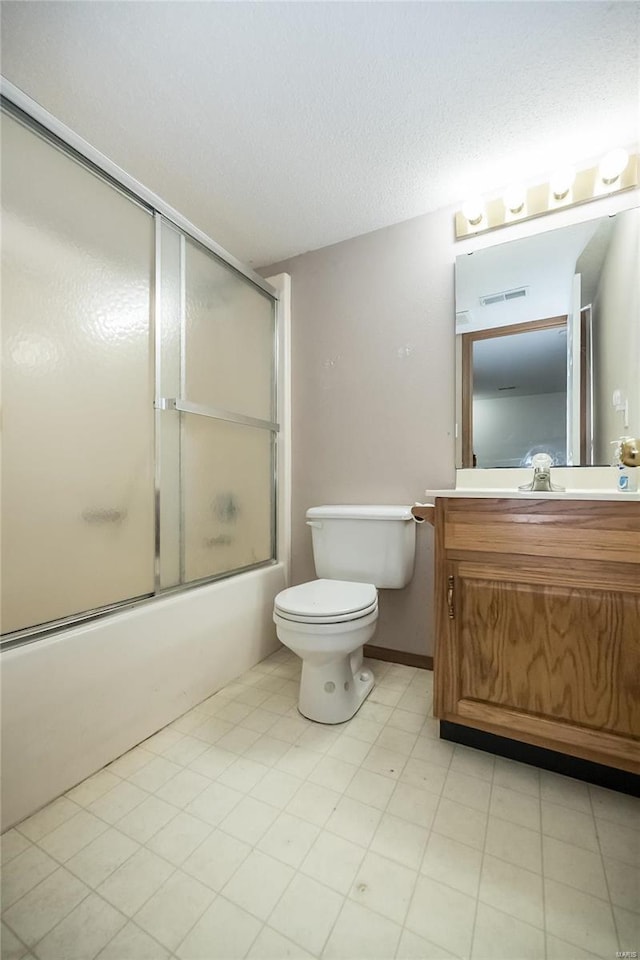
<point>77,480</point>
<point>228,449</point>
<point>227,472</point>
<point>229,338</point>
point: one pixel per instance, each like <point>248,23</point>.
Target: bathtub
<point>76,700</point>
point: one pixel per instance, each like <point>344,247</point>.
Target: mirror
<point>548,345</point>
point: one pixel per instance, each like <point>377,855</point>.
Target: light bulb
<point>473,210</point>
<point>514,198</point>
<point>612,165</point>
<point>561,182</point>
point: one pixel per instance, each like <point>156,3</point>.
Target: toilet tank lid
<point>359,512</point>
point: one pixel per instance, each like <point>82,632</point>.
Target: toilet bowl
<point>326,623</point>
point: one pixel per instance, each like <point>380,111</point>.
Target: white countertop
<point>581,483</point>
<point>511,494</point>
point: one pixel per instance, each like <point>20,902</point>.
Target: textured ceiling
<point>282,127</point>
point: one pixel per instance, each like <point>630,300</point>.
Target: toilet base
<point>334,691</point>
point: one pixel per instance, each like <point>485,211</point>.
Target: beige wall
<point>373,392</point>
<point>617,335</point>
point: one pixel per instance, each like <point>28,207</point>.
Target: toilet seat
<point>326,601</point>
<point>358,615</point>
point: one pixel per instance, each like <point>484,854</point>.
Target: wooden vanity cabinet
<point>538,623</point>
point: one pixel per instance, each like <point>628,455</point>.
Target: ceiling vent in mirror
<point>504,296</point>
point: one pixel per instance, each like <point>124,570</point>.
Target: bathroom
<point>372,304</point>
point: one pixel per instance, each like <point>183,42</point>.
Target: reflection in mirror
<point>548,345</point>
<point>525,363</point>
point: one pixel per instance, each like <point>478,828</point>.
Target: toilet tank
<point>367,544</point>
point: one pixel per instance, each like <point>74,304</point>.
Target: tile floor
<point>244,830</point>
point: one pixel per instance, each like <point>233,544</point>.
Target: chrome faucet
<point>541,464</point>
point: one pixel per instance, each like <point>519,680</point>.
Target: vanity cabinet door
<point>540,649</point>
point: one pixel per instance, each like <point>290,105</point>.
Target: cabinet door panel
<point>565,653</point>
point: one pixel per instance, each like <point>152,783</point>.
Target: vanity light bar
<point>549,197</point>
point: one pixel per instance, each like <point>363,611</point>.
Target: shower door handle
<point>216,413</point>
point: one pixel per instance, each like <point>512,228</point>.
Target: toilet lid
<point>319,599</point>
<point>340,618</point>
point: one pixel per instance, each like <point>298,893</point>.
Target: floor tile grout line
<point>267,926</point>
<point>426,844</point>
<point>141,846</point>
<point>347,896</point>
<point>583,892</point>
<point>69,912</point>
<point>315,880</point>
<point>109,825</point>
<point>508,863</point>
<point>174,870</point>
<point>14,902</point>
<point>248,950</point>
<point>512,916</point>
<point>368,849</point>
<point>134,807</point>
<point>65,794</point>
<point>195,922</point>
<point>219,893</point>
<point>4,860</point>
<point>16,826</point>
<point>113,907</point>
<point>544,885</point>
<point>142,930</point>
<point>586,893</point>
<point>482,856</point>
<point>606,877</point>
<point>333,925</point>
<point>19,939</point>
<point>95,889</point>
<point>145,844</point>
<point>565,937</point>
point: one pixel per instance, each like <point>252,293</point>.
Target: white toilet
<point>327,621</point>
